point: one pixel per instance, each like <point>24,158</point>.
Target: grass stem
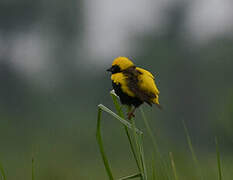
<point>173,165</point>
<point>194,157</point>
<point>161,162</point>
<point>218,160</point>
<point>2,172</point>
<point>33,168</point>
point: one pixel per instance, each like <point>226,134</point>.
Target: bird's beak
<point>109,69</point>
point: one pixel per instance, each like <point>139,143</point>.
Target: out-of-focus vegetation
<point>50,113</point>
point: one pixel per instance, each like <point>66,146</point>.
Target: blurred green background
<point>53,61</point>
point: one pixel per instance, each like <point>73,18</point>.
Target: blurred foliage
<point>56,125</point>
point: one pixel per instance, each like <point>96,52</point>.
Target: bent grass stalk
<point>120,113</point>
<point>136,145</point>
<point>135,138</point>
<point>99,136</point>
<point>138,153</point>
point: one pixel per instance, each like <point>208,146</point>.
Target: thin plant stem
<point>173,165</point>
<point>154,173</point>
<point>33,168</point>
<point>141,150</point>
<point>153,139</point>
<point>218,159</point>
<point>2,172</point>
<point>194,157</point>
<point>155,145</point>
<point>137,146</point>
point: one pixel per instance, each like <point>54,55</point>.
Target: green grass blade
<point>2,172</point>
<point>173,166</point>
<point>154,174</point>
<point>190,145</point>
<point>131,176</point>
<point>141,151</point>
<point>138,153</point>
<point>161,162</point>
<point>149,131</point>
<point>33,168</point>
<point>124,122</point>
<point>194,157</point>
<point>120,113</point>
<point>117,105</point>
<point>132,147</point>
<point>218,160</point>
<point>100,143</point>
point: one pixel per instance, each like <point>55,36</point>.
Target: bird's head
<point>120,64</point>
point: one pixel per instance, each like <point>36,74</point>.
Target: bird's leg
<point>131,113</point>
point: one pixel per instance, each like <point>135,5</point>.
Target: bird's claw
<point>130,115</point>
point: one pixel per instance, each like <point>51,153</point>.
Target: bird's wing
<point>141,83</point>
<point>145,72</point>
<point>146,82</point>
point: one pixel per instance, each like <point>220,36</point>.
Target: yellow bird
<point>132,84</point>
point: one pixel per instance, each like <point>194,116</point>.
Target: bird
<point>133,85</point>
